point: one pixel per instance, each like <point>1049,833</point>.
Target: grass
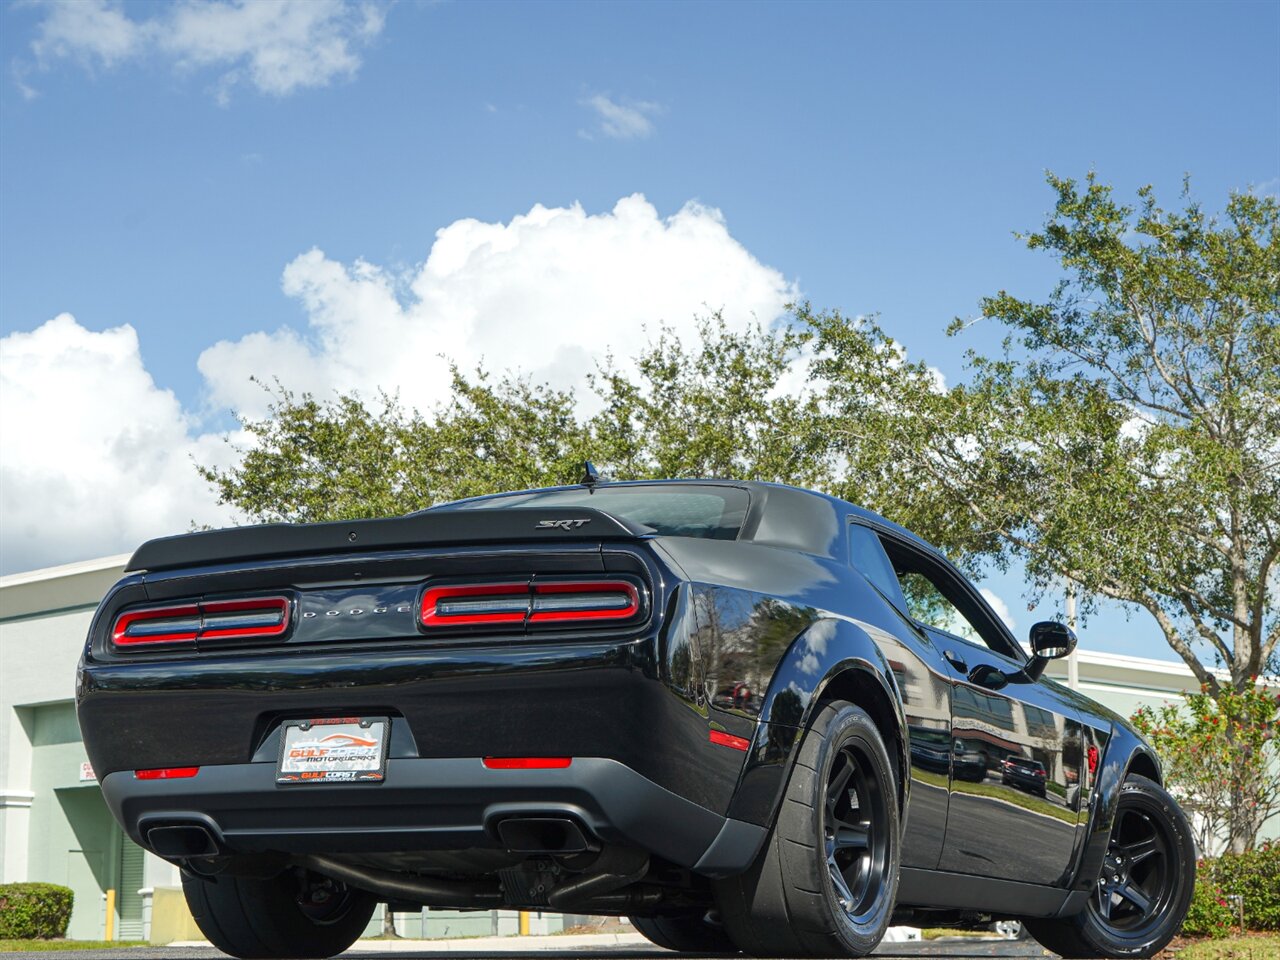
<point>44,946</point>
<point>1256,947</point>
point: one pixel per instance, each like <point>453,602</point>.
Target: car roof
<point>780,514</point>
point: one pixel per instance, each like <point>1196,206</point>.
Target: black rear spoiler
<point>428,528</point>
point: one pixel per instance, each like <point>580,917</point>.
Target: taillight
<point>259,617</point>
<point>162,625</point>
<point>469,604</point>
<point>535,602</point>
<point>584,600</point>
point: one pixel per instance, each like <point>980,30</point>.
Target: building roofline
<point>67,586</point>
<point>116,561</point>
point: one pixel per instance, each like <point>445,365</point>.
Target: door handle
<point>955,660</point>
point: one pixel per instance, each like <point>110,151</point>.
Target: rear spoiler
<point>428,528</point>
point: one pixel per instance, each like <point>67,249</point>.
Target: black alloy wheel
<point>825,880</point>
<point>857,843</point>
<point>1134,886</point>
<point>1139,900</point>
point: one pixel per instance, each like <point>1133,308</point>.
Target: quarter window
<point>868,558</point>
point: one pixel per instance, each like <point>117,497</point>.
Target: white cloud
<point>96,457</point>
<point>276,46</point>
<point>547,294</point>
<point>628,120</point>
<point>999,606</point>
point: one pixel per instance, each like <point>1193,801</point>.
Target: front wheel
<point>295,915</point>
<point>1141,898</point>
<point>825,881</point>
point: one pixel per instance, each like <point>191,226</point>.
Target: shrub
<point>30,911</point>
<point>1255,876</point>
<point>1210,913</point>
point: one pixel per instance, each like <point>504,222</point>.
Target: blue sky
<point>156,172</point>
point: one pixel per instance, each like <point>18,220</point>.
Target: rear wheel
<point>689,934</point>
<point>824,883</point>
<point>293,915</point>
<point>1141,898</point>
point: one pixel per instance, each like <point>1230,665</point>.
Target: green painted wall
<point>73,839</point>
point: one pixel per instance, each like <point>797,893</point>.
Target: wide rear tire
<point>1139,902</point>
<point>292,916</point>
<point>825,881</point>
<point>693,934</point>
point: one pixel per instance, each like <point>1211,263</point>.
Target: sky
<point>343,194</point>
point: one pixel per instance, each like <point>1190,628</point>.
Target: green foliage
<point>34,910</point>
<point>716,408</point>
<point>1254,876</point>
<point>1124,441</point>
<point>1220,759</point>
<point>1210,913</point>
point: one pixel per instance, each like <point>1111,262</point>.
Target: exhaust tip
<point>180,840</point>
<point>542,835</point>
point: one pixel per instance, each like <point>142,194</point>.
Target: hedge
<point>1253,876</point>
<point>34,911</point>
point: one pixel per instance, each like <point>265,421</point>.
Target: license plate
<point>334,750</point>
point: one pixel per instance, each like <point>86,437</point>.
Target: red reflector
<point>167,773</point>
<point>527,763</point>
<point>729,740</point>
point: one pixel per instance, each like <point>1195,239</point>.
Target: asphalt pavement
<point>603,947</point>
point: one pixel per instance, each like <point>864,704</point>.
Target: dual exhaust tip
<point>185,839</point>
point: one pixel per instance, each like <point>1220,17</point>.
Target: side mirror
<point>1050,640</point>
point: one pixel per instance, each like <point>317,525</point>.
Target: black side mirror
<point>1050,640</point>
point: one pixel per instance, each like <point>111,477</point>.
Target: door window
<point>938,597</point>
<point>928,606</point>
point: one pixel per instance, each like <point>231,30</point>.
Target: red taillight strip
<point>432,597</point>
<point>200,621</point>
<point>271,605</point>
<point>121,638</point>
<point>554,588</point>
<point>537,601</point>
<point>166,773</point>
<point>527,763</point>
<point>729,740</point>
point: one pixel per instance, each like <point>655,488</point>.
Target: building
<point>55,826</point>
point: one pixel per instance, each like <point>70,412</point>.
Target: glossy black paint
<point>747,637</point>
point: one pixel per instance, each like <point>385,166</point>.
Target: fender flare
<point>831,652</point>
<point>1124,750</point>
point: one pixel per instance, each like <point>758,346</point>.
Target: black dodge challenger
<point>749,717</point>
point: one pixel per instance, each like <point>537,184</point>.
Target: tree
<point>1128,440</point>
<point>726,406</point>
<point>1220,759</point>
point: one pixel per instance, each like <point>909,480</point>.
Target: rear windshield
<point>711,513</point>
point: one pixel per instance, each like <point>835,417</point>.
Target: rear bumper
<point>432,804</point>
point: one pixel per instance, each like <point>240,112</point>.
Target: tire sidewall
<point>1139,791</point>
<point>853,725</point>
